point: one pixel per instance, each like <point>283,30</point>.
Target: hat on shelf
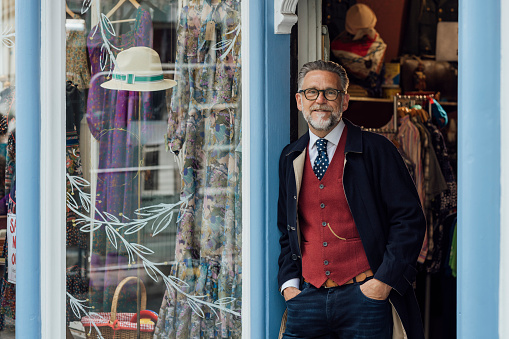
<point>138,69</point>
<point>360,21</point>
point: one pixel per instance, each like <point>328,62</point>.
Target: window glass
<point>153,163</point>
<point>7,171</point>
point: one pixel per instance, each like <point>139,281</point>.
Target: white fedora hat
<point>138,69</point>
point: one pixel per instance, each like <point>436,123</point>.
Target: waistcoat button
<point>322,205</point>
<point>324,224</point>
<point>324,244</point>
<point>321,186</point>
<point>327,272</point>
<point>325,262</point>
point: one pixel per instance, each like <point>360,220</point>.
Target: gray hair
<point>320,65</point>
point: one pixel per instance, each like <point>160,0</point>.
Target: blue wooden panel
<point>277,117</point>
<point>270,131</point>
<point>28,110</point>
<point>479,169</point>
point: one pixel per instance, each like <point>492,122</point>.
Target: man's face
<point>321,114</point>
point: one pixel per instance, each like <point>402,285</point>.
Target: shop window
<point>153,168</point>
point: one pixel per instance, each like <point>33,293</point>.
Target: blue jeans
<point>342,312</point>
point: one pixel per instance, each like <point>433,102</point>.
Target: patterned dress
<point>76,67</point>
<point>76,241</point>
<point>204,129</point>
<point>114,119</point>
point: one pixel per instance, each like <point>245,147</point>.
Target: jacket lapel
<point>298,169</point>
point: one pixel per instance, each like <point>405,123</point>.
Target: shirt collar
<point>332,137</point>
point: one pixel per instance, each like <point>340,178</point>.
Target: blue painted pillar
<point>269,67</point>
<point>479,169</point>
<point>258,224</point>
<point>28,108</point>
<point>277,122</point>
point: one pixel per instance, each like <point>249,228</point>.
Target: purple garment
<point>115,120</point>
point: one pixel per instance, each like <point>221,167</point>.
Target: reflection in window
<point>154,171</point>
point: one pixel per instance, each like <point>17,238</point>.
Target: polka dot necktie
<point>322,160</point>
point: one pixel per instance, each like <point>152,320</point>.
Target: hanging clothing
<point>74,107</point>
<point>421,27</point>
<point>76,240</point>
<point>444,204</point>
<point>74,237</point>
<point>76,66</point>
<point>115,119</point>
<point>76,284</point>
<point>433,184</point>
<point>74,112</point>
<point>204,129</point>
<point>7,289</point>
<point>409,141</point>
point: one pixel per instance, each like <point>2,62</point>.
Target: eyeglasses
<point>330,94</point>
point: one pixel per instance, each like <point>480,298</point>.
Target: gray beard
<point>325,126</point>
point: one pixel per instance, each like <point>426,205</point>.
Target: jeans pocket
<point>365,297</point>
<point>305,286</point>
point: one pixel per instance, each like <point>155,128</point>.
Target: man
<point>351,223</point>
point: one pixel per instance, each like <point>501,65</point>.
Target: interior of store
<point>402,60</point>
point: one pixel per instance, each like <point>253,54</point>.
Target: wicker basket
<point>282,329</point>
<point>115,325</point>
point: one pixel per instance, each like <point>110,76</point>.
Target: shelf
<point>366,99</point>
<point>377,112</point>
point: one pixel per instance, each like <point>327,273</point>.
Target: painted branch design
<point>159,217</point>
<point>6,35</point>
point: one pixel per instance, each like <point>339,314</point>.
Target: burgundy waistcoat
<point>323,203</point>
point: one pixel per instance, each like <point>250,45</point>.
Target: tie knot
<point>321,145</point>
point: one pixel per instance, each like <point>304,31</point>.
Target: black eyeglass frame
<point>323,91</point>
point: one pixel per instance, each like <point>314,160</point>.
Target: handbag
<point>113,325</point>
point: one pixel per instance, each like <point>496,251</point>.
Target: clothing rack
<point>410,101</point>
<point>407,101</point>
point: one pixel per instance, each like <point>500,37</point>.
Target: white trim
<point>284,16</point>
<point>52,194</point>
<point>503,304</point>
<point>309,35</point>
<point>246,174</point>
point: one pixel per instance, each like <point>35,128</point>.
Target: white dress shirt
<point>332,143</point>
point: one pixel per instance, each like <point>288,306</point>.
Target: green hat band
<point>132,79</point>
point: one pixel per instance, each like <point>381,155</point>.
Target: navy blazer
<point>385,207</point>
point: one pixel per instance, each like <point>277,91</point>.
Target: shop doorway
<point>417,71</point>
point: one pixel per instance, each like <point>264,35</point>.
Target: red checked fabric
<point>123,321</point>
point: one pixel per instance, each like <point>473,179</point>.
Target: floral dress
<point>76,66</point>
<point>113,118</point>
<point>204,129</point>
